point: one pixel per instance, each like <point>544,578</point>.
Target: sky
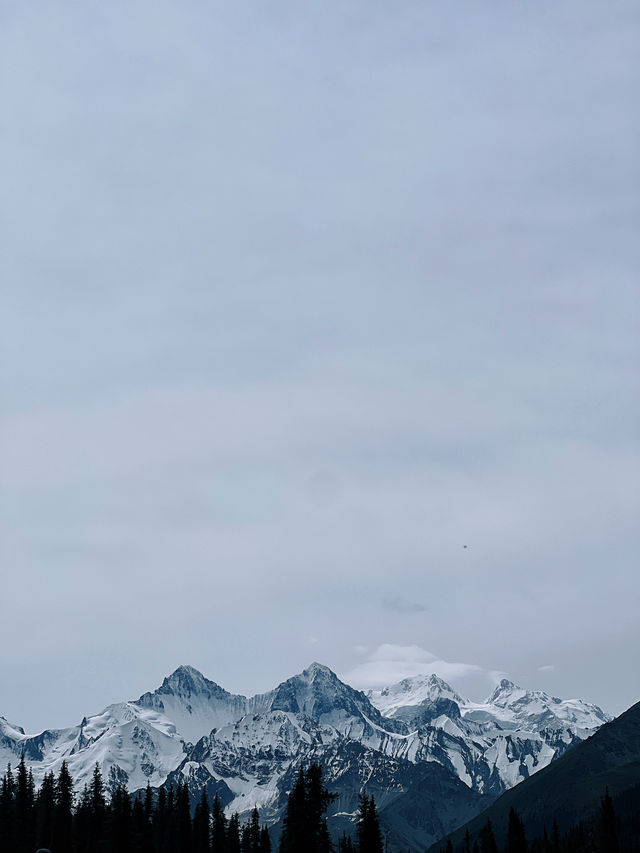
<point>319,340</point>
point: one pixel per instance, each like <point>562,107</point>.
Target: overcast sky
<point>319,328</point>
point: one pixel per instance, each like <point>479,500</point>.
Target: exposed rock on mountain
<point>431,758</point>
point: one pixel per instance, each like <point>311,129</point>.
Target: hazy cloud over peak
<point>391,663</point>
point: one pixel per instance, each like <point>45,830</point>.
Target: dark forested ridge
<point>587,801</point>
<point>430,770</point>
<point>612,828</point>
<point>54,818</point>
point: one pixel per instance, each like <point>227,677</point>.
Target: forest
<point>54,817</point>
<point>108,819</point>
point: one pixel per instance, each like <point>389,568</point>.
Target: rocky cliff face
<point>431,758</point>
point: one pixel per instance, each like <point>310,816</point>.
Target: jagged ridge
<point>245,749</point>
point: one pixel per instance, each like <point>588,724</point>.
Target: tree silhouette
<point>369,835</point>
<point>608,829</point>
<point>304,828</point>
<point>516,839</point>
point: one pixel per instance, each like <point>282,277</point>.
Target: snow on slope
<point>192,726</point>
<point>512,706</point>
<point>317,692</point>
<point>194,704</point>
<point>10,736</point>
<point>411,692</point>
<point>140,745</point>
<point>252,754</point>
<point>508,707</point>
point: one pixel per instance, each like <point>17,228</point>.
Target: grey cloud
<point>296,302</point>
<point>400,606</point>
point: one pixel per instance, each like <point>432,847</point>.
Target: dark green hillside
<point>571,787</point>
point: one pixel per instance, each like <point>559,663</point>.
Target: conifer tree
<point>120,821</point>
<point>7,812</point>
<point>305,825</point>
<point>82,823</point>
<point>146,836</point>
<point>159,824</point>
<point>608,829</point>
<point>31,792</point>
<point>295,823</point>
<point>63,811</point>
<point>467,842</point>
<point>45,810</point>
<point>245,839</point>
<point>233,834</point>
<point>254,831</point>
<point>546,844</point>
<point>148,802</point>
<point>170,839</point>
<point>369,836</point>
<point>201,825</point>
<point>97,816</point>
<point>183,818</point>
<point>218,827</point>
<point>265,841</point>
<point>24,839</point>
<point>318,800</point>
<point>140,827</point>
<point>516,839</point>
<point>9,783</point>
<point>487,839</point>
<point>345,844</point>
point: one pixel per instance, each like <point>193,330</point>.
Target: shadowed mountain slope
<point>571,787</point>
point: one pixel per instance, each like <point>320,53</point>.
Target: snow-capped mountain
<point>194,704</point>
<point>130,743</point>
<point>512,706</point>
<point>403,743</point>
<point>318,693</point>
<point>508,707</point>
<point>422,697</point>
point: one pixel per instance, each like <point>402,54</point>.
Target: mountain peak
<point>5,725</point>
<point>429,685</point>
<point>318,693</point>
<point>504,689</point>
<point>316,668</point>
<point>411,692</point>
<point>194,704</point>
<point>186,681</point>
<point>186,677</point>
<point>187,668</point>
<point>434,680</point>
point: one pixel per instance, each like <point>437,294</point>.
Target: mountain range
<point>571,788</point>
<point>431,758</point>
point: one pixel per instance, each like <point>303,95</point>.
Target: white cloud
<point>391,662</point>
<point>546,668</point>
<point>496,675</point>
